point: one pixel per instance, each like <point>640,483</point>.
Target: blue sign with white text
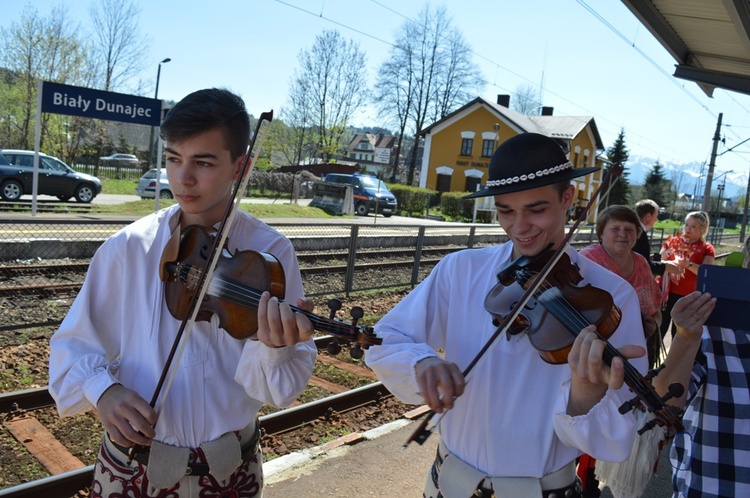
<point>97,104</point>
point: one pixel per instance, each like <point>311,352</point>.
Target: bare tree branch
<point>118,47</point>
<point>526,100</point>
<point>428,75</point>
<point>328,88</point>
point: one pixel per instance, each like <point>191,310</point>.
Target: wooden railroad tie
<point>43,445</point>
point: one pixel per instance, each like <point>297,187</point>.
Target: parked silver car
<point>147,185</point>
<point>129,159</point>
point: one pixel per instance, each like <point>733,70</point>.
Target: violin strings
<point>577,322</point>
<point>244,295</point>
<point>558,302</point>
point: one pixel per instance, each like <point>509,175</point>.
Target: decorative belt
<point>192,468</point>
<point>572,490</point>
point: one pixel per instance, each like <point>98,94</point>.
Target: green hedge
<point>411,199</point>
<point>452,204</point>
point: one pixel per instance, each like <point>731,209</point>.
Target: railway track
<point>305,259</point>
<point>66,278</point>
<point>18,410</point>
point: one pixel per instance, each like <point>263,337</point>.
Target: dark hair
<point>207,110</point>
<point>618,213</point>
<point>561,187</point>
<point>646,206</point>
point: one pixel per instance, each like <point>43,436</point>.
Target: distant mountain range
<point>639,167</point>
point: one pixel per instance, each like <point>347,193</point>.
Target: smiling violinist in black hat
<point>516,428</point>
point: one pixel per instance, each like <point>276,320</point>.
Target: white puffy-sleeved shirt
<point>510,421</point>
<point>119,330</point>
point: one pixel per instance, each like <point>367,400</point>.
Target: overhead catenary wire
<point>644,142</point>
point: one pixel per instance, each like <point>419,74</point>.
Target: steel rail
<point>39,397</point>
<point>68,483</point>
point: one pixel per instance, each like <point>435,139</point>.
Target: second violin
<point>560,311</point>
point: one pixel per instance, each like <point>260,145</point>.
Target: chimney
<point>547,111</point>
<point>503,100</point>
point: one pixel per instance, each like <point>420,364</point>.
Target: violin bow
<point>422,432</point>
<point>186,327</point>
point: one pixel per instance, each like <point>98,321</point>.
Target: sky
<point>587,57</point>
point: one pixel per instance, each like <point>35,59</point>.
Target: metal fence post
<point>472,232</point>
<point>417,257</point>
<point>351,260</point>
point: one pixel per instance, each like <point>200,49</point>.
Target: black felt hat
<point>527,161</point>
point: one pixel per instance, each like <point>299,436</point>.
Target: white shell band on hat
<point>530,176</point>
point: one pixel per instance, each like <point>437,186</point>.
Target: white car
<point>121,158</point>
<point>147,185</point>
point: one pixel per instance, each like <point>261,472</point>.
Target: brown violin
<point>234,291</point>
<point>558,312</point>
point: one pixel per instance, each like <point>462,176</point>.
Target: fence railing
<point>111,172</point>
<point>351,257</point>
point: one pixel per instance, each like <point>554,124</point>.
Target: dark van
<point>369,192</point>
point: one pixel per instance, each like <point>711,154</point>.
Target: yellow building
<point>458,148</point>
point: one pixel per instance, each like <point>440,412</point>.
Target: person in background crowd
<point>689,250</point>
<point>111,348</point>
<point>518,426</point>
<point>711,460</point>
<point>648,212</point>
<point>617,228</point>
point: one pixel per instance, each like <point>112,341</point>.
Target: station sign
<point>86,102</point>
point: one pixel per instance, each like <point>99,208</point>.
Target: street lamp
<point>156,96</point>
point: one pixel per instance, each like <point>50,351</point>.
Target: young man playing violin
<point>108,355</point>
<point>516,427</point>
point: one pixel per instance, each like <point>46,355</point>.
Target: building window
<point>466,145</point>
<point>487,146</point>
<point>575,160</point>
<point>471,183</point>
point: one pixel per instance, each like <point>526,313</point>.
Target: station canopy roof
<point>708,39</point>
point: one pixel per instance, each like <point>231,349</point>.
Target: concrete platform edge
<point>279,469</point>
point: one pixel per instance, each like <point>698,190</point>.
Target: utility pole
<point>709,176</point>
<point>744,212</point>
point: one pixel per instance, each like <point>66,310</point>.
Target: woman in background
<point>618,228</point>
<point>690,250</point>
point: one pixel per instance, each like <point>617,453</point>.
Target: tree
<point>458,79</point>
<point>656,185</point>
<point>394,92</point>
<point>677,180</point>
<point>327,89</point>
<point>526,100</point>
<point>118,49</point>
<point>292,137</point>
<point>618,155</point>
<point>428,74</point>
<point>37,48</point>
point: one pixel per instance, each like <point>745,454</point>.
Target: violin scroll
<point>365,336</point>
